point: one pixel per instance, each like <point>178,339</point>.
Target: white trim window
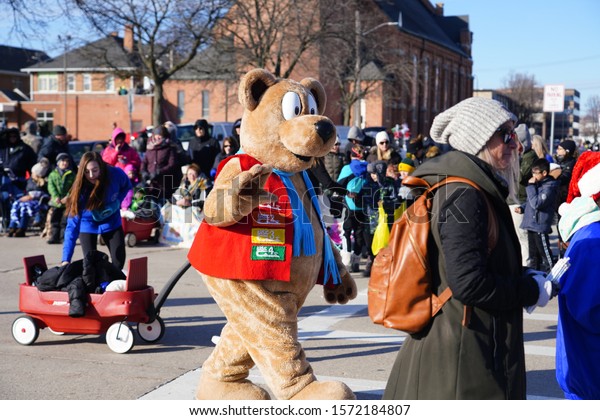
<point>87,82</point>
<point>71,82</point>
<point>205,104</point>
<point>48,82</point>
<point>109,82</point>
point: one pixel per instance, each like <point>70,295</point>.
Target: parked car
<point>218,130</point>
<point>342,132</point>
<point>77,148</point>
<point>370,133</point>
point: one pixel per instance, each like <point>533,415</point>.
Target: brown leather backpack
<point>399,293</point>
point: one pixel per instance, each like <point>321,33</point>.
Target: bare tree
<point>168,33</point>
<point>521,88</point>
<point>277,34</point>
<point>28,20</point>
<point>591,123</point>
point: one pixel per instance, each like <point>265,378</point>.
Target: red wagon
<point>141,229</point>
<point>110,312</point>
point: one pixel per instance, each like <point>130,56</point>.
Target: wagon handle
<point>154,310</point>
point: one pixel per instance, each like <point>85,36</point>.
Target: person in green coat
<point>60,181</point>
<point>473,348</point>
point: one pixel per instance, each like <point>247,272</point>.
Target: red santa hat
<point>585,179</point>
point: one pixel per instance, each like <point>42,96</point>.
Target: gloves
<point>545,288</point>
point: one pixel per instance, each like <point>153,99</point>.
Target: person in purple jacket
<point>93,209</point>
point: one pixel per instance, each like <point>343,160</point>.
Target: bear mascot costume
<point>263,246</point>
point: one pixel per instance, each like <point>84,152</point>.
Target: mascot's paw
<point>211,389</point>
<point>329,390</point>
<point>341,293</point>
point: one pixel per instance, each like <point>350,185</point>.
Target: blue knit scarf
<point>304,239</point>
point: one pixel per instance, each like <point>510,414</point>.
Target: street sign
<point>554,98</point>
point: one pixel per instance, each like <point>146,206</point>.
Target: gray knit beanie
<point>468,125</point>
<point>524,136</point>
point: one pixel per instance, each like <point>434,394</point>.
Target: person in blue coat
<point>93,209</point>
<point>578,331</point>
<point>542,190</point>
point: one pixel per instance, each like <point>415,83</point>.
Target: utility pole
<point>358,34</point>
<point>357,81</point>
<point>65,40</point>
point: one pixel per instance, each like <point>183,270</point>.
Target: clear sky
<point>556,41</point>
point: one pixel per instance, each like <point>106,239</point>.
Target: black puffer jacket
<point>485,359</point>
<point>80,278</point>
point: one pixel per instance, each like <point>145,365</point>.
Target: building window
<point>46,117</point>
<point>181,104</point>
<point>425,83</point>
<point>436,88</point>
<point>71,82</point>
<point>109,83</point>
<point>205,104</point>
<point>48,83</point>
<point>87,82</point>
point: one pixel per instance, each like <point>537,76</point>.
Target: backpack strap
<point>493,229</point>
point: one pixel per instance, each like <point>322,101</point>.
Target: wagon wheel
<point>153,331</point>
<point>119,337</point>
<point>25,331</point>
<point>130,240</point>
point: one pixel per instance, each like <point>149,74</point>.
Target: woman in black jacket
<point>473,348</point>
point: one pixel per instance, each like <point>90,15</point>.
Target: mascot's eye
<point>291,105</point>
<point>312,105</point>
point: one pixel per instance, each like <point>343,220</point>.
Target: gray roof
<point>13,59</point>
<point>419,20</point>
<point>93,56</point>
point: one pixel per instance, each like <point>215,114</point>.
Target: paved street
<point>340,341</point>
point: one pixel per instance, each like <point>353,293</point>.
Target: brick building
<point>80,91</point>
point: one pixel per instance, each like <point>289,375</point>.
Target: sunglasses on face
<point>384,142</point>
<point>507,134</point>
<point>226,145</point>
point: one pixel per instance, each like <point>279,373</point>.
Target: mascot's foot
<point>210,389</point>
<point>330,390</point>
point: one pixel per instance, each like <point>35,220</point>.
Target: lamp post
<point>65,40</point>
<point>358,34</point>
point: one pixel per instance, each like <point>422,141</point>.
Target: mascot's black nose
<point>324,129</point>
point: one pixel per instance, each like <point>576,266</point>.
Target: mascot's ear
<point>316,89</point>
<point>252,87</point>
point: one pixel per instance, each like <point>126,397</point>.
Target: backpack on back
<point>399,292</point>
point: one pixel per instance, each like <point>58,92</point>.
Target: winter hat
<point>407,165</point>
<point>355,133</point>
<point>62,156</point>
<point>524,136</point>
<point>468,125</point>
<point>382,136</point>
<point>59,130</point>
<point>378,167</point>
<point>569,146</point>
<point>162,131</point>
<point>40,169</point>
<point>585,178</point>
<point>203,124</point>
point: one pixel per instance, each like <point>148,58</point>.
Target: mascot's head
<point>282,123</point>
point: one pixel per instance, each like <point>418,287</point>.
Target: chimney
<point>439,9</point>
<point>128,38</point>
